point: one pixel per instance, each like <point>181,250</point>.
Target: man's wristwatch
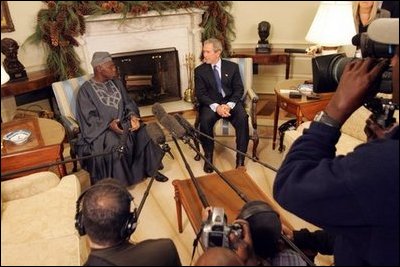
<point>323,117</point>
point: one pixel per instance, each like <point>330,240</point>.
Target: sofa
<point>37,221</point>
<point>352,132</point>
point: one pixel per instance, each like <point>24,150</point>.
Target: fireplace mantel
<point>179,29</point>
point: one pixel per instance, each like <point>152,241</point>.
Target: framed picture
<point>6,22</point>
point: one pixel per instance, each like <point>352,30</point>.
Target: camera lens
<point>327,71</point>
<point>373,49</point>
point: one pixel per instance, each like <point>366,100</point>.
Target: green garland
<point>62,22</point>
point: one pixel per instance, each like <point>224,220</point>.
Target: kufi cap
<point>385,30</point>
<point>100,58</point>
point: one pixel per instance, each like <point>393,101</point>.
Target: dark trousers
<point>239,119</point>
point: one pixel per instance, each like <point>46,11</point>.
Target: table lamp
<point>4,75</point>
<point>333,26</point>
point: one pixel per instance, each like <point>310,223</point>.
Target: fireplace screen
<point>150,75</point>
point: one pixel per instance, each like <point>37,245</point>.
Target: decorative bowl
<point>17,137</point>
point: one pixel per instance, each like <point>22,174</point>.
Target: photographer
<point>354,197</point>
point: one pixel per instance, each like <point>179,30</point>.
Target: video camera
<point>216,231</point>
<point>328,69</point>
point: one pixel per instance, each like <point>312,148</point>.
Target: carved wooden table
<point>45,145</point>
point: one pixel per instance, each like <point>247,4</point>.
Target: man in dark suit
<point>105,214</point>
<point>219,90</point>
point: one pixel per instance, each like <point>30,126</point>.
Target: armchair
<point>250,99</point>
<point>65,93</point>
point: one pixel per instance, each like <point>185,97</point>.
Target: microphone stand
<point>192,177</point>
<point>242,196</point>
<point>145,195</point>
<point>47,165</point>
<point>234,188</point>
<point>237,151</point>
<point>193,133</point>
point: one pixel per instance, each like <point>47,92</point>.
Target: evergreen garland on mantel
<point>61,22</point>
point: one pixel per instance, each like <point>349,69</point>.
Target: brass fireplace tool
<point>189,92</point>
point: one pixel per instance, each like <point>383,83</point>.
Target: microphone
<point>173,126</point>
<point>158,111</point>
<point>186,125</point>
<point>190,129</point>
<point>157,135</point>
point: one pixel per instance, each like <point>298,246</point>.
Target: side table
<point>45,145</point>
<point>301,107</point>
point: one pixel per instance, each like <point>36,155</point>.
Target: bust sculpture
<point>263,32</point>
<point>12,65</point>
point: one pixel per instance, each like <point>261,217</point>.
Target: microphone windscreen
<point>158,111</point>
<point>171,124</point>
<point>156,133</point>
<point>184,123</point>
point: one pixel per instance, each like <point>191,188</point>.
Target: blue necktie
<point>218,80</point>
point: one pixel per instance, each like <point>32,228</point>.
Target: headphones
<point>254,207</point>
<point>131,220</point>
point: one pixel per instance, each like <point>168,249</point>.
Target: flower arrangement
<point>62,22</point>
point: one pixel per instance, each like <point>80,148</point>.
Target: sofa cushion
<point>29,185</point>
<point>45,215</point>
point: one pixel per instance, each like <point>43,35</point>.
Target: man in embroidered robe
<point>110,121</point>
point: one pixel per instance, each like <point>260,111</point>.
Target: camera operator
<point>241,244</point>
<point>104,213</point>
<point>354,197</point>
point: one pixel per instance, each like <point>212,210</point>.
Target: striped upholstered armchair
<point>65,93</point>
<point>250,99</point>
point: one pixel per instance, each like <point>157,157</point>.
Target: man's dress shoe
<point>239,161</point>
<point>160,177</point>
<point>207,167</point>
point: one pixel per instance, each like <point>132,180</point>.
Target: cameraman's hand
<point>243,245</point>
<point>355,85</point>
<point>374,131</point>
<point>205,214</point>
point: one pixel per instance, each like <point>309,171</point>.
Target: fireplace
<point>150,75</point>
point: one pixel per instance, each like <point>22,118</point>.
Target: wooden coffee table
<point>45,145</point>
<point>218,194</point>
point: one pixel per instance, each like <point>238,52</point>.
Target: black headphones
<point>254,207</point>
<point>131,221</point>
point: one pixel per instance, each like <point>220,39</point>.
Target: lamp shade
<point>4,75</point>
<point>333,25</point>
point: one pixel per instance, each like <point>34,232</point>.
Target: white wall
<point>289,24</point>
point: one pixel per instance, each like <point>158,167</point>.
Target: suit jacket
<point>206,85</point>
<point>152,252</point>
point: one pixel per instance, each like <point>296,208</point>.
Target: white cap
<point>385,30</point>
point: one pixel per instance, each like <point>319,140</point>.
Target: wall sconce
<point>333,26</point>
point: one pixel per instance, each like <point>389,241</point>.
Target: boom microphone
<point>157,135</point>
<point>173,126</point>
<point>158,111</point>
<point>186,125</point>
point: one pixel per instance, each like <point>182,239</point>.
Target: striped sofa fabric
<point>65,93</point>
